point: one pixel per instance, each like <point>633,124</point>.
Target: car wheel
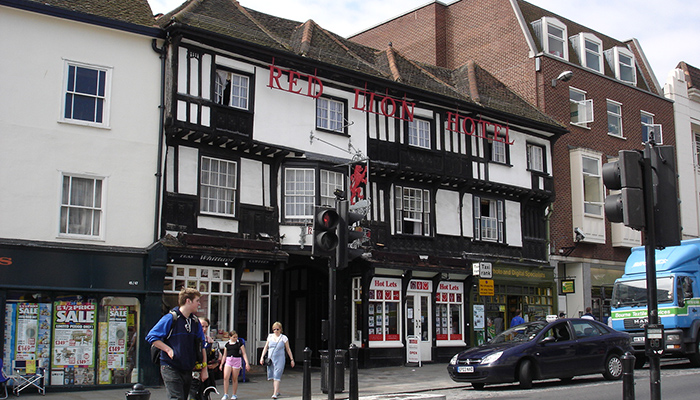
<point>613,367</point>
<point>478,385</point>
<point>525,374</point>
<point>640,360</point>
<point>695,358</point>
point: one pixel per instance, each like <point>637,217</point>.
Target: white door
<point>419,321</point>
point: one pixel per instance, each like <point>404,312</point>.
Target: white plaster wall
<point>468,215</point>
<point>447,215</point>
<point>251,190</point>
<point>517,174</point>
<point>575,301</point>
<point>188,165</point>
<point>687,113</point>
<point>37,148</point>
<point>287,119</point>
<point>514,231</point>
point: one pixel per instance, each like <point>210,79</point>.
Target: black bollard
<point>138,392</point>
<point>354,387</point>
<point>628,376</point>
<point>306,389</point>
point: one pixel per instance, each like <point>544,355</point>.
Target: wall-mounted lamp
<point>564,77</point>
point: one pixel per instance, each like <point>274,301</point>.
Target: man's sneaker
<point>234,397</point>
<point>225,397</point>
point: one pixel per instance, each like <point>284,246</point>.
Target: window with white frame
<point>623,64</point>
<point>499,152</point>
<point>649,127</point>
<point>299,193</point>
<point>593,196</point>
<point>330,182</point>
<point>217,186</point>
<point>86,97</point>
<point>419,133</point>
<point>590,50</point>
<point>231,89</point>
<point>384,310</point>
<point>412,211</point>
<point>552,34</point>
<point>581,109</point>
<point>696,134</point>
<point>488,220</point>
<point>535,157</point>
<point>614,118</point>
<point>330,114</point>
<point>81,206</point>
<point>449,305</point>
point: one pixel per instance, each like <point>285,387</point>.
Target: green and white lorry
<point>678,294</point>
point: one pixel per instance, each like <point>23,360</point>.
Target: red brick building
<point>602,88</point>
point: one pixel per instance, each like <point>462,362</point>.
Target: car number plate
<point>638,339</point>
<point>464,370</point>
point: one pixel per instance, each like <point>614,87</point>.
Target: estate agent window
<point>449,306</point>
<point>384,311</point>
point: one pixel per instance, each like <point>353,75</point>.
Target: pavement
<point>387,383</point>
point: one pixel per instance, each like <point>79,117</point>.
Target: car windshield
<point>520,333</point>
<point>634,293</point>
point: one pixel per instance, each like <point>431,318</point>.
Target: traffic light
<point>666,214</point>
<point>325,237</point>
<point>348,234</point>
<point>625,175</point>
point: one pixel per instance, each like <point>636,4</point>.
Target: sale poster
<point>116,345</point>
<point>74,334</point>
<point>26,331</point>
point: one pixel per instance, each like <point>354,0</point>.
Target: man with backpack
<point>179,336</point>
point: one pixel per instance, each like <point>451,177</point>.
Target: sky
<point>668,30</point>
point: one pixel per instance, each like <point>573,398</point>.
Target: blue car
<point>560,349</point>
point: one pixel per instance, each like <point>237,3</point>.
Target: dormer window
<point>590,51</point>
<point>622,62</point>
<point>552,35</point>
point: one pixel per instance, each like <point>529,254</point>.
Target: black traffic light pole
<point>331,329</point>
<point>650,252</point>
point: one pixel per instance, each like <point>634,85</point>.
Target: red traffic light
<point>325,238</point>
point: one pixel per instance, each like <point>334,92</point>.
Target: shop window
<point>449,315</point>
<point>383,311</point>
<point>215,284</point>
<point>118,340</point>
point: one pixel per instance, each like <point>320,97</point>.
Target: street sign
<point>485,270</point>
<point>486,287</point>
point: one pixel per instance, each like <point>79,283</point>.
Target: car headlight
<point>491,357</point>
<point>453,361</point>
<point>673,338</point>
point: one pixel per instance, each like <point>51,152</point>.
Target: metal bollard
<point>628,376</point>
<point>138,392</point>
<point>354,387</point>
<point>306,389</point>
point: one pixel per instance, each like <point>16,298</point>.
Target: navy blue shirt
<point>182,340</point>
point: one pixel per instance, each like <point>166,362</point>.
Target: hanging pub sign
<point>358,182</point>
<point>469,126</point>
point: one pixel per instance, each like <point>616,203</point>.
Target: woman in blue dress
<point>277,344</point>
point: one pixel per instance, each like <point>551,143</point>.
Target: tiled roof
<point>533,13</point>
<point>132,11</point>
<point>692,75</point>
<point>229,19</point>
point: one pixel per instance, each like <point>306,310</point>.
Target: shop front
<point>530,289</point>
<point>76,314</point>
<point>392,308</point>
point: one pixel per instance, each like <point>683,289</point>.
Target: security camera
<point>579,234</point>
<point>565,76</point>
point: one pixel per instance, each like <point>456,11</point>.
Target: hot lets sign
<point>74,334</point>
